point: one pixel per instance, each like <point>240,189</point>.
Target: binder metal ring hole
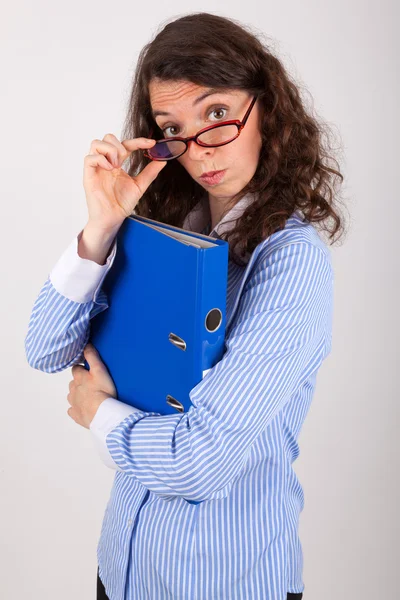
<point>177,341</point>
<point>213,319</point>
<point>175,403</point>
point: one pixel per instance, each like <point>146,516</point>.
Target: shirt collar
<point>199,218</point>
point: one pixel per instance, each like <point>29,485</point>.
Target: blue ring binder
<point>154,337</point>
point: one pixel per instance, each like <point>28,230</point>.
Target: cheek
<point>244,155</point>
<point>253,148</point>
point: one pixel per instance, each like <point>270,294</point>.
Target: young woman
<point>206,504</point>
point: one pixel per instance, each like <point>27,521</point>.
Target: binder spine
<point>213,276</point>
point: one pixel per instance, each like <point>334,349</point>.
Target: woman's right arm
<point>59,325</point>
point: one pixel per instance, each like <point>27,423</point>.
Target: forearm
<point>94,244</point>
<point>71,296</point>
<point>57,331</point>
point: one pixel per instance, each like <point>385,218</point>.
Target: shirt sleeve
<point>110,413</point>
<point>58,328</point>
<point>281,335</point>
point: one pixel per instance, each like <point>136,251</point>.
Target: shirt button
<point>129,522</point>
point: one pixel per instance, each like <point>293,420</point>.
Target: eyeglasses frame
<point>239,124</point>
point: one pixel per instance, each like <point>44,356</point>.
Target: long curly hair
<point>296,169</point>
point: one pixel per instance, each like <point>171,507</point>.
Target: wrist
<point>94,243</point>
<point>101,233</point>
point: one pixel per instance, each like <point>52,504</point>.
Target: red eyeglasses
<point>210,137</point>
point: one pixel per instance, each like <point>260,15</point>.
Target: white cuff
<point>79,278</point>
<point>110,413</point>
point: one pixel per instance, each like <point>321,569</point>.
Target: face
<point>186,118</point>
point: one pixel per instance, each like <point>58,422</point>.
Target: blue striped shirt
<point>205,505</point>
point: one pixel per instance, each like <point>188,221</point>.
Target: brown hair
<point>293,171</point>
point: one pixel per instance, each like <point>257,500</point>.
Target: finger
<point>106,149</point>
<point>149,174</point>
<point>98,160</point>
<point>90,350</point>
<point>140,143</point>
<point>71,413</point>
<point>76,368</point>
<point>122,153</point>
<point>92,356</point>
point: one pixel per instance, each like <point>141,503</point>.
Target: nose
<point>197,152</point>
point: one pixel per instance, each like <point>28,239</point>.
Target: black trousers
<point>101,592</point>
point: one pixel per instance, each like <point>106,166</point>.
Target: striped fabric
<point>231,453</point>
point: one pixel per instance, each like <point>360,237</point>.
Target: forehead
<point>165,95</point>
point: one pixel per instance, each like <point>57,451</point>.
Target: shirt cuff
<point>110,413</point>
<point>77,278</point>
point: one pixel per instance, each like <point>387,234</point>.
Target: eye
<point>219,109</point>
<point>214,110</point>
<point>169,134</point>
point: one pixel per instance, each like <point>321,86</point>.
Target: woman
<point>205,504</point>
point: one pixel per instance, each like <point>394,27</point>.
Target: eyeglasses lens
<point>172,148</point>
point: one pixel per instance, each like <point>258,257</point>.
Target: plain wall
<point>66,71</point>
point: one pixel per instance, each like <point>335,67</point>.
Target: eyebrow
<point>210,92</point>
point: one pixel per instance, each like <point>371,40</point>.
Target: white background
<point>66,70</point>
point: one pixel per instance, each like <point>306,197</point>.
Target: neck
<point>218,208</point>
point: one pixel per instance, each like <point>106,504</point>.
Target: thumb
<point>99,370</point>
<point>149,174</point>
<point>91,355</point>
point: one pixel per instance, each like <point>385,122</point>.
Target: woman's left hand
<point>89,389</point>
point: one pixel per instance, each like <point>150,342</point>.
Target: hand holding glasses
<point>111,193</point>
<point>210,137</point>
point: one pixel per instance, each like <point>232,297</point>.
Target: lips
<point>210,173</point>
<point>214,179</point>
